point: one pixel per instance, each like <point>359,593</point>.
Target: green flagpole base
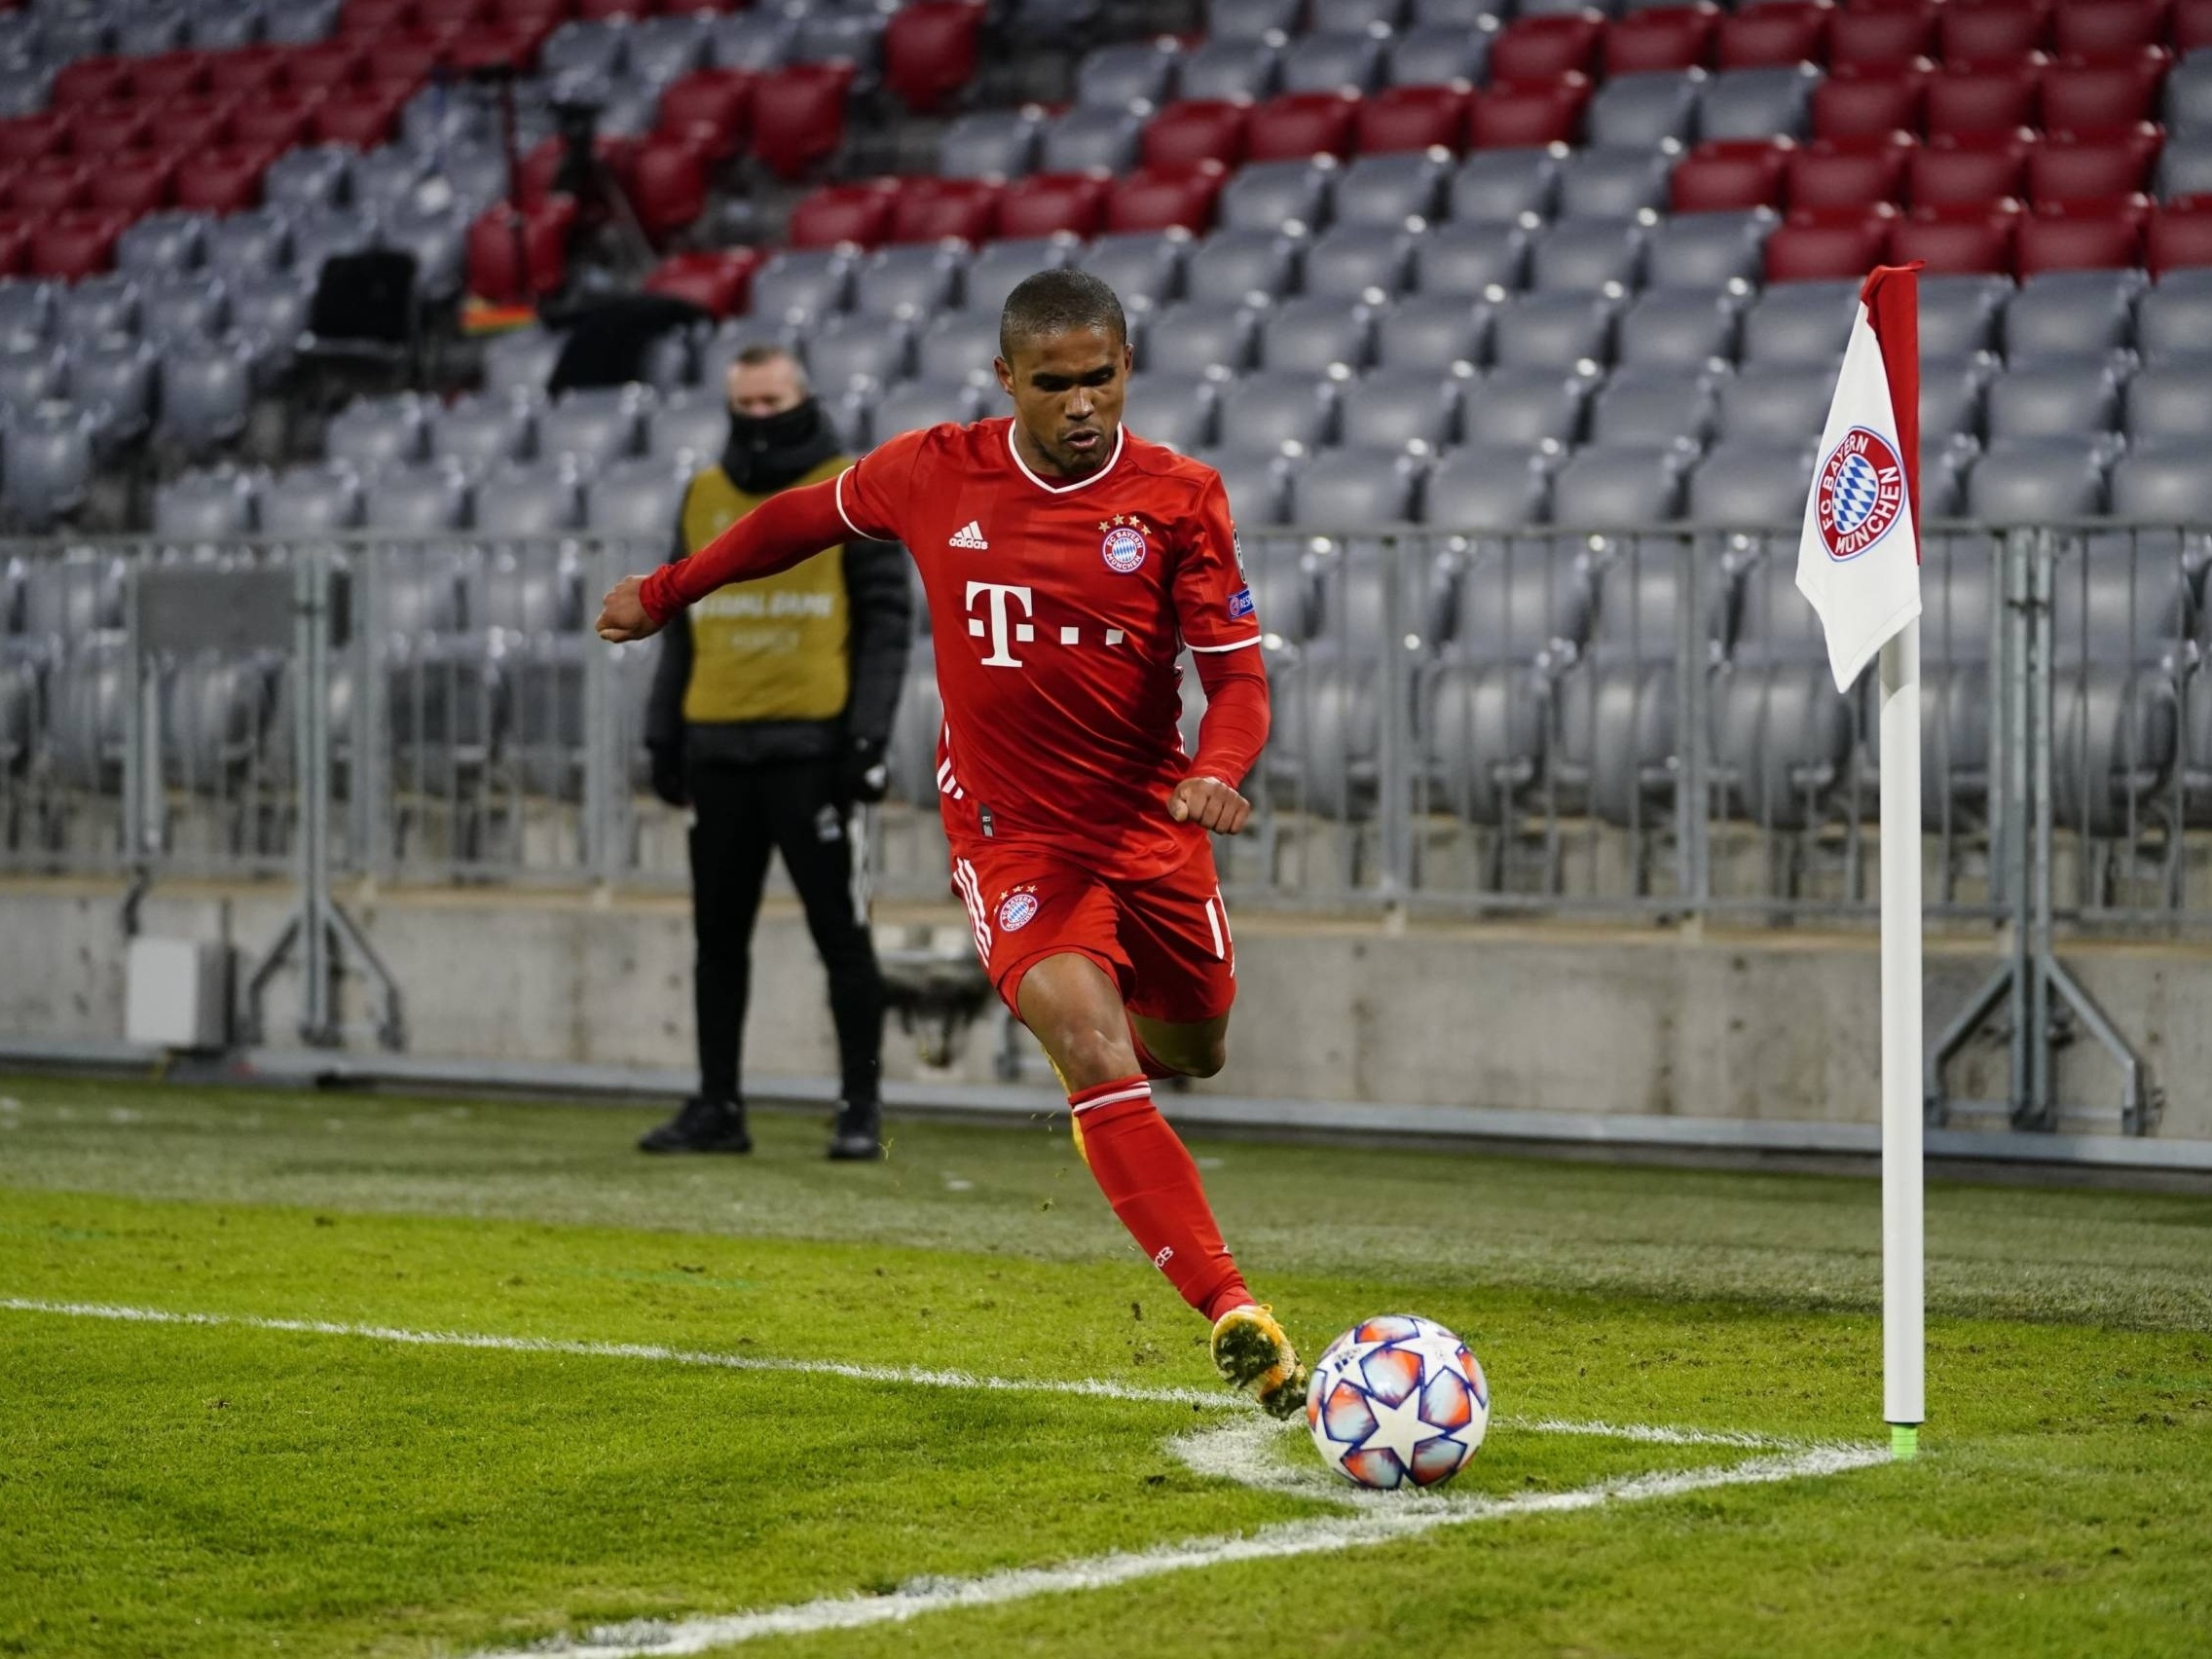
<point>1904,1441</point>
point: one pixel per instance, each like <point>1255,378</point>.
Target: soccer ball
<point>1397,1400</point>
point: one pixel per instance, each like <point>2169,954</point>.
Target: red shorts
<point>1165,942</point>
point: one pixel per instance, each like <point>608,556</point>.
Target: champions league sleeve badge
<point>1124,546</point>
<point>1859,494</point>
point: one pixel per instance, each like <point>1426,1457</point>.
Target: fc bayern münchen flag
<point>1858,557</point>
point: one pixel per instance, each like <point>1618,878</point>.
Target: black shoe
<point>857,1136</point>
<point>702,1125</point>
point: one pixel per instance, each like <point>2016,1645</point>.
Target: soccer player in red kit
<point>1066,561</point>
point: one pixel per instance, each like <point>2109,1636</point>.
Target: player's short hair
<point>1054,302</point>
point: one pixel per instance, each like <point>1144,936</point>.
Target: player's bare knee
<point>1091,1054</point>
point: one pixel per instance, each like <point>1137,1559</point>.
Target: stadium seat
<point>2054,397</point>
<point>752,41</point>
<point>1869,37</point>
<point>1773,35</point>
<point>374,434</point>
<point>1730,174</point>
<point>1975,166</point>
<point>1525,408</point>
<point>1587,256</point>
<point>1251,20</point>
<point>798,116</point>
<point>802,283</point>
<point>1044,205</point>
<point>1822,244</point>
<point>1255,484</point>
<point>690,425</point>
<point>1436,55</point>
<point>1659,37</point>
<point>1951,394</point>
<point>1412,118</point>
<point>720,281</point>
<point>211,505</point>
<point>1115,77</point>
<point>1537,49</point>
<point>932,210</point>
<point>1194,336</point>
<point>1957,315</point>
<point>310,501</point>
<point>858,213</point>
<point>1230,69</point>
<point>2090,235</point>
<point>1314,334</point>
<point>2110,160</point>
<point>1652,405</point>
<point>1707,250</point>
<point>2107,26</point>
<point>2185,166</point>
<point>1176,410</point>
<point>183,307</point>
<point>96,306</point>
<point>49,465</point>
<point>711,110</point>
<point>207,392</point>
<point>997,144</point>
<point>1982,96</point>
<point>1355,261</point>
<point>1757,103</point>
<point>1678,328</point>
<point>1387,189</point>
<point>1552,331</point>
<point>1266,196</point>
<point>2163,477</point>
<point>1332,62</point>
<point>1773,404</point>
<point>1484,486</point>
<point>1648,109</point>
<point>2178,236</point>
<point>482,430</point>
<point>929,52</point>
<point>1849,173</point>
<point>528,499</point>
<point>912,281</point>
<point>1751,483</point>
<point>638,499</point>
<point>840,349</point>
<point>522,359</point>
<point>2067,312</point>
<point>1159,199</point>
<point>26,314</point>
<point>503,266</point>
<point>1497,187</point>
<point>74,243</point>
<point>2034,481</point>
<point>1870,102</point>
<point>1611,184</point>
<point>1196,129</point>
<point>1431,332</point>
<point>2173,321</point>
<point>1990,32</point>
<point>996,267</point>
<point>668,187</point>
<point>1957,238</point>
<point>1518,115</point>
<point>1355,488</point>
<point>1464,260</point>
<point>1297,126</point>
<point>1082,139</point>
<point>2079,92</point>
<point>1401,410</point>
<point>1145,267</point>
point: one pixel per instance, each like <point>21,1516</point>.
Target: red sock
<point>1154,1187</point>
<point>1147,1062</point>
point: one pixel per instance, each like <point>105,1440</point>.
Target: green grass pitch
<point>656,1431</point>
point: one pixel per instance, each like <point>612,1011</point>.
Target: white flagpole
<point>1903,1319</point>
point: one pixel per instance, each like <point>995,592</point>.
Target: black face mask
<point>767,452</point>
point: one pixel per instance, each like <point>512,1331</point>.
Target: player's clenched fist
<point>622,613</point>
<point>1209,802</point>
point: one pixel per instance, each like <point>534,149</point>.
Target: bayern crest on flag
<point>1858,553</point>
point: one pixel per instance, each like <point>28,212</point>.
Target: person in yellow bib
<point>771,707</point>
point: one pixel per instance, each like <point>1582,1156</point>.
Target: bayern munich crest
<point>1017,910</point>
<point>1123,548</point>
<point>1860,493</point>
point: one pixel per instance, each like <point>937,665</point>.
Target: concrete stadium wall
<point>1771,1024</point>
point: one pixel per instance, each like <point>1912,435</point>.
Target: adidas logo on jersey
<point>970,537</point>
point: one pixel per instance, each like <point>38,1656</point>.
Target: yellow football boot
<point>1252,1350</point>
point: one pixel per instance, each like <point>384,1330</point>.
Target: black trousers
<point>743,813</point>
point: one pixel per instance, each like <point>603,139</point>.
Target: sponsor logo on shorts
<point>1240,605</point>
<point>1017,910</point>
<point>1123,548</point>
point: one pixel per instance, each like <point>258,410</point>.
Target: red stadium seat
<point>1298,125</point>
<point>362,117</point>
<point>27,137</point>
<point>1776,35</point>
<point>1196,129</point>
<point>1661,37</point>
<point>340,62</point>
<point>1158,199</point>
<point>1861,38</point>
<point>76,243</point>
<point>223,180</point>
<point>930,209</point>
<point>2109,25</point>
<point>929,52</point>
<point>488,45</point>
<point>710,109</point>
<point>600,10</point>
<point>843,213</point>
<point>135,182</point>
<point>548,13</point>
<point>407,60</point>
<point>1994,29</point>
<point>1849,173</point>
<point>183,125</point>
<point>170,75</point>
<point>1730,173</point>
<point>541,167</point>
<point>376,16</point>
<point>1412,117</point>
<point>2179,235</point>
<point>1973,167</point>
<point>249,70</point>
<point>15,245</point>
<point>720,281</point>
<point>50,185</point>
<point>1824,243</point>
<point>2192,24</point>
<point>2105,91</point>
<point>1543,49</point>
<point>105,128</point>
<point>667,186</point>
<point>2103,235</point>
<point>798,116</point>
<point>2098,160</point>
<point>90,80</point>
<point>1518,115</point>
<point>1983,98</point>
<point>515,254</point>
<point>1959,239</point>
<point>1858,103</point>
<point>1046,203</point>
<point>279,119</point>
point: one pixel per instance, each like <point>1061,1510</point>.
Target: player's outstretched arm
<point>786,529</point>
<point>1230,737</point>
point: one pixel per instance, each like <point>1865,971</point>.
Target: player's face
<point>1068,393</point>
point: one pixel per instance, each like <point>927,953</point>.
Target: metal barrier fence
<point>1598,722</point>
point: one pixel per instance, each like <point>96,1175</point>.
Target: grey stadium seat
<point>329,233</point>
<point>1523,408</point>
<point>430,498</point>
<point>2164,477</point>
<point>26,312</point>
<point>1804,323</point>
<point>594,424</point>
<point>584,46</point>
<point>1353,488</point>
<point>996,143</point>
<point>1751,484</point>
<point>1782,740</point>
<point>2165,402</point>
<point>274,305</point>
<point>1651,406</point>
<point>528,499</point>
<point>958,346</point>
<point>183,307</point>
<point>749,40</point>
<point>1254,480</point>
<point>1266,196</point>
<point>2030,481</point>
<point>313,175</point>
<point>1778,402</point>
<point>118,377</point>
<point>1757,103</point>
<point>1468,261</point>
<point>1552,331</point>
<point>1951,390</point>
<point>1332,62</point>
<point>1232,266</point>
<point>1387,190</point>
<point>840,349</point>
<point>1677,328</point>
<point>2174,320</point>
<point>2188,94</point>
<point>1612,184</point>
<point>637,499</point>
<point>32,374</point>
<point>693,422</point>
<point>2053,397</point>
<point>907,282</point>
<point>802,283</point>
<point>522,360</point>
<point>1616,736</point>
<point>1957,315</point>
<point>921,403</point>
<point>1115,77</point>
<point>163,242</point>
<point>1356,261</point>
<point>1145,267</point>
<point>383,180</point>
<point>311,501</point>
<point>1230,69</point>
<point>1648,109</point>
<point>1459,14</point>
<point>1311,335</point>
<point>211,505</point>
<point>95,306</point>
<point>1587,256</point>
<point>1250,20</point>
<point>1426,56</point>
<point>250,243</point>
<point>1707,250</point>
<point>1270,411</point>
<point>996,268</point>
<point>1399,409</point>
<point>1484,721</point>
<point>1496,187</point>
<point>1082,139</point>
<point>1508,600</point>
<point>374,432</point>
<point>1196,335</point>
<point>2185,166</point>
<point>206,395</point>
<point>1430,331</point>
<point>1775,622</point>
<point>1173,409</point>
<point>483,429</point>
<point>824,37</point>
<point>2066,313</point>
<point>729,340</point>
<point>662,49</point>
<point>1627,484</point>
<point>1351,17</point>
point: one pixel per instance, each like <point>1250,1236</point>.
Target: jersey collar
<point>1121,437</point>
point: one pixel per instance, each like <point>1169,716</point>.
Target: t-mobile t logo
<point>1001,631</point>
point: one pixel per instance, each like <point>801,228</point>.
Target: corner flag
<point>1859,555</point>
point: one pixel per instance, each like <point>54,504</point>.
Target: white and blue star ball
<point>1397,1401</point>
